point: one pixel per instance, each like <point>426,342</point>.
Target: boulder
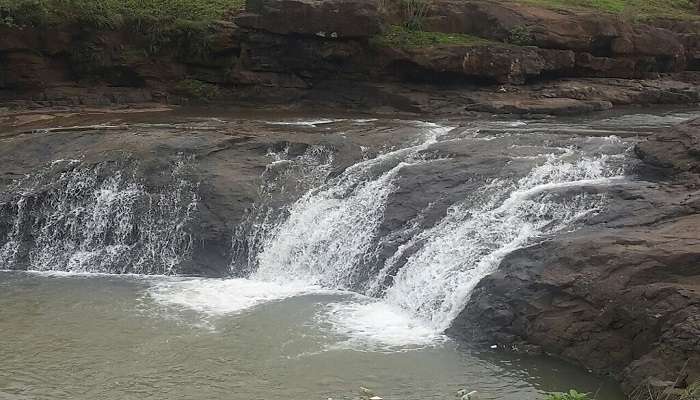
<point>332,19</point>
<point>600,34</point>
<point>673,153</point>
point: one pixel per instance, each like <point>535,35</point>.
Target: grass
<point>113,13</point>
<point>570,395</point>
<point>401,37</point>
<point>644,9</point>
<point>183,25</point>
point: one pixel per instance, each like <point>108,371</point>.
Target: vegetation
<point>520,35</point>
<point>634,8</point>
<point>692,392</point>
<point>182,25</point>
<point>571,395</point>
<point>114,13</point>
<point>414,12</point>
<point>402,37</point>
<point>197,90</point>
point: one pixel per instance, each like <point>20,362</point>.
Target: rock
<point>496,63</point>
<point>268,79</point>
<point>551,106</point>
<point>332,19</point>
<point>622,294</point>
<point>608,67</point>
<point>672,154</point>
<point>503,64</point>
<point>29,70</point>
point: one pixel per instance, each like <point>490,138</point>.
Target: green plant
<point>571,395</point>
<point>414,12</point>
<point>520,35</point>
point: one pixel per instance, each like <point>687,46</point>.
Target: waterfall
<point>330,229</point>
<point>469,243</point>
<point>315,227</point>
<point>101,218</point>
<point>331,233</point>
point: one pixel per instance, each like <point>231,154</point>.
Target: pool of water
<point>67,336</point>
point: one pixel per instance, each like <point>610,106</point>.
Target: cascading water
<point>330,229</point>
<point>285,176</point>
<point>331,233</point>
<point>435,282</point>
<point>313,228</point>
<point>97,219</point>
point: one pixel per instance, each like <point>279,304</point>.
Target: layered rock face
<point>282,51</point>
<point>622,294</point>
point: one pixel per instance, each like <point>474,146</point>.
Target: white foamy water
<point>469,243</point>
<point>331,229</point>
<point>223,296</point>
<point>310,123</point>
<point>376,325</point>
<point>91,219</point>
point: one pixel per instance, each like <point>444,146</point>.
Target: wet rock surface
<point>222,164</point>
<point>620,296</point>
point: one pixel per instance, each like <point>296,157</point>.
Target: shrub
<point>520,35</point>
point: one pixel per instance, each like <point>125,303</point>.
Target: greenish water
<point>108,337</point>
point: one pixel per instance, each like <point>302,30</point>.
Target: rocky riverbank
<point>496,57</point>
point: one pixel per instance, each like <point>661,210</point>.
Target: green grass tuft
<point>401,37</point>
<point>642,9</point>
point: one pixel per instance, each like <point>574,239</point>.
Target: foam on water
<point>223,296</point>
<point>310,123</point>
<point>371,324</point>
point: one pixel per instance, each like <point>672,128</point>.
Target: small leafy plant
<point>520,35</point>
<point>571,395</point>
